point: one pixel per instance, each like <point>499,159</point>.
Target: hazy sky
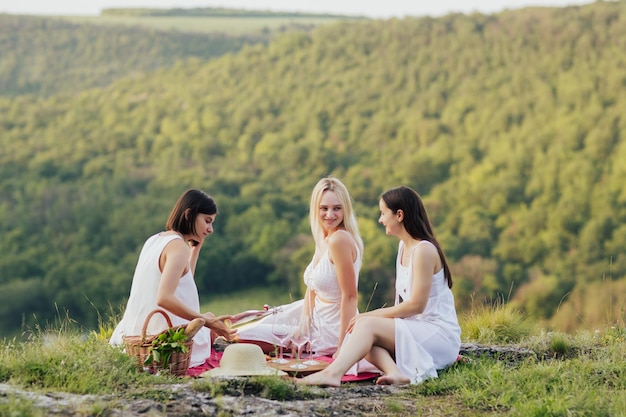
<point>372,8</point>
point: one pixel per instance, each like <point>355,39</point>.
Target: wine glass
<point>280,332</point>
<point>314,333</point>
<point>299,337</point>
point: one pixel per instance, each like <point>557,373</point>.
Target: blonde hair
<point>349,217</point>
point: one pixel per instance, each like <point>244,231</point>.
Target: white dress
<point>430,340</point>
<point>322,278</point>
<point>142,301</point>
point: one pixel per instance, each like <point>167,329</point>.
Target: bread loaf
<point>194,327</point>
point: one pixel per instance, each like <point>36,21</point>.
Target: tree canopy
<point>511,126</point>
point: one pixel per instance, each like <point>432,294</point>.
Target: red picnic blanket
<point>214,362</point>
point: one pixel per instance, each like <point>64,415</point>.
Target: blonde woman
<point>331,277</point>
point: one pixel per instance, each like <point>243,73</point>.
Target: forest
<point>510,125</point>
<point>45,56</point>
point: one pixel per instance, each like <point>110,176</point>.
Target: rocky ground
<point>241,399</point>
<point>365,400</point>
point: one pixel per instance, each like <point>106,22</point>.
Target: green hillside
<point>46,56</point>
<point>511,125</point>
<point>232,22</point>
<point>66,54</point>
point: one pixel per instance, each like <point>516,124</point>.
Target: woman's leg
<point>383,359</point>
<point>368,333</point>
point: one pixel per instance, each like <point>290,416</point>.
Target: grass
<point>497,324</point>
<point>263,386</point>
<point>585,386</point>
<point>68,362</point>
<point>573,375</point>
<point>246,300</point>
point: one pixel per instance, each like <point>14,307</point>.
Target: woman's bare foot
<point>319,378</point>
<point>392,379</point>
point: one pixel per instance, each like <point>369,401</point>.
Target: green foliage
<point>53,56</point>
<point>510,125</point>
<point>394,407</point>
<point>209,11</point>
<point>545,383</point>
<point>247,299</point>
<point>165,344</point>
<point>559,345</point>
<point>591,382</point>
<point>615,335</point>
<point>500,323</point>
<point>588,383</point>
<point>22,407</point>
<point>271,388</point>
<point>67,361</point>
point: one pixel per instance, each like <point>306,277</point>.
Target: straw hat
<point>243,359</point>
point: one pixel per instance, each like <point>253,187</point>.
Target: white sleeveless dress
<point>142,301</point>
<point>430,340</point>
<point>322,278</point>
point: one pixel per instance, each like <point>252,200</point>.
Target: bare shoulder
<point>341,246</point>
<point>176,246</point>
<point>426,247</point>
<point>341,238</point>
<point>426,253</point>
<point>175,253</point>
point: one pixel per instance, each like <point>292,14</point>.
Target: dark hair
<point>183,216</point>
<point>416,220</point>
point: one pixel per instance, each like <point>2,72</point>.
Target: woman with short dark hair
<point>164,277</point>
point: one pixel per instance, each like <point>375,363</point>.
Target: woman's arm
<point>424,259</point>
<point>173,262</point>
<point>343,253</point>
<point>308,304</point>
<point>424,263</point>
<point>194,253</point>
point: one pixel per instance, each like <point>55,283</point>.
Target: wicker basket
<point>139,347</point>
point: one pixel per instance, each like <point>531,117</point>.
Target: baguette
<point>194,327</point>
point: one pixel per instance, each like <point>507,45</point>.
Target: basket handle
<point>149,316</point>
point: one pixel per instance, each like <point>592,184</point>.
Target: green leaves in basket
<point>165,344</point>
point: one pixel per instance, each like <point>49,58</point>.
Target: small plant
<point>559,344</point>
<point>268,387</point>
<point>499,323</point>
<point>165,345</point>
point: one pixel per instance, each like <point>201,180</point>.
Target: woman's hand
<point>220,325</point>
<point>354,319</point>
<point>195,245</point>
<point>248,313</point>
<point>351,323</point>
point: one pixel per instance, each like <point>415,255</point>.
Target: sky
<point>370,8</point>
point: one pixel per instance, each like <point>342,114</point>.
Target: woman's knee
<point>381,329</point>
<point>374,324</point>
